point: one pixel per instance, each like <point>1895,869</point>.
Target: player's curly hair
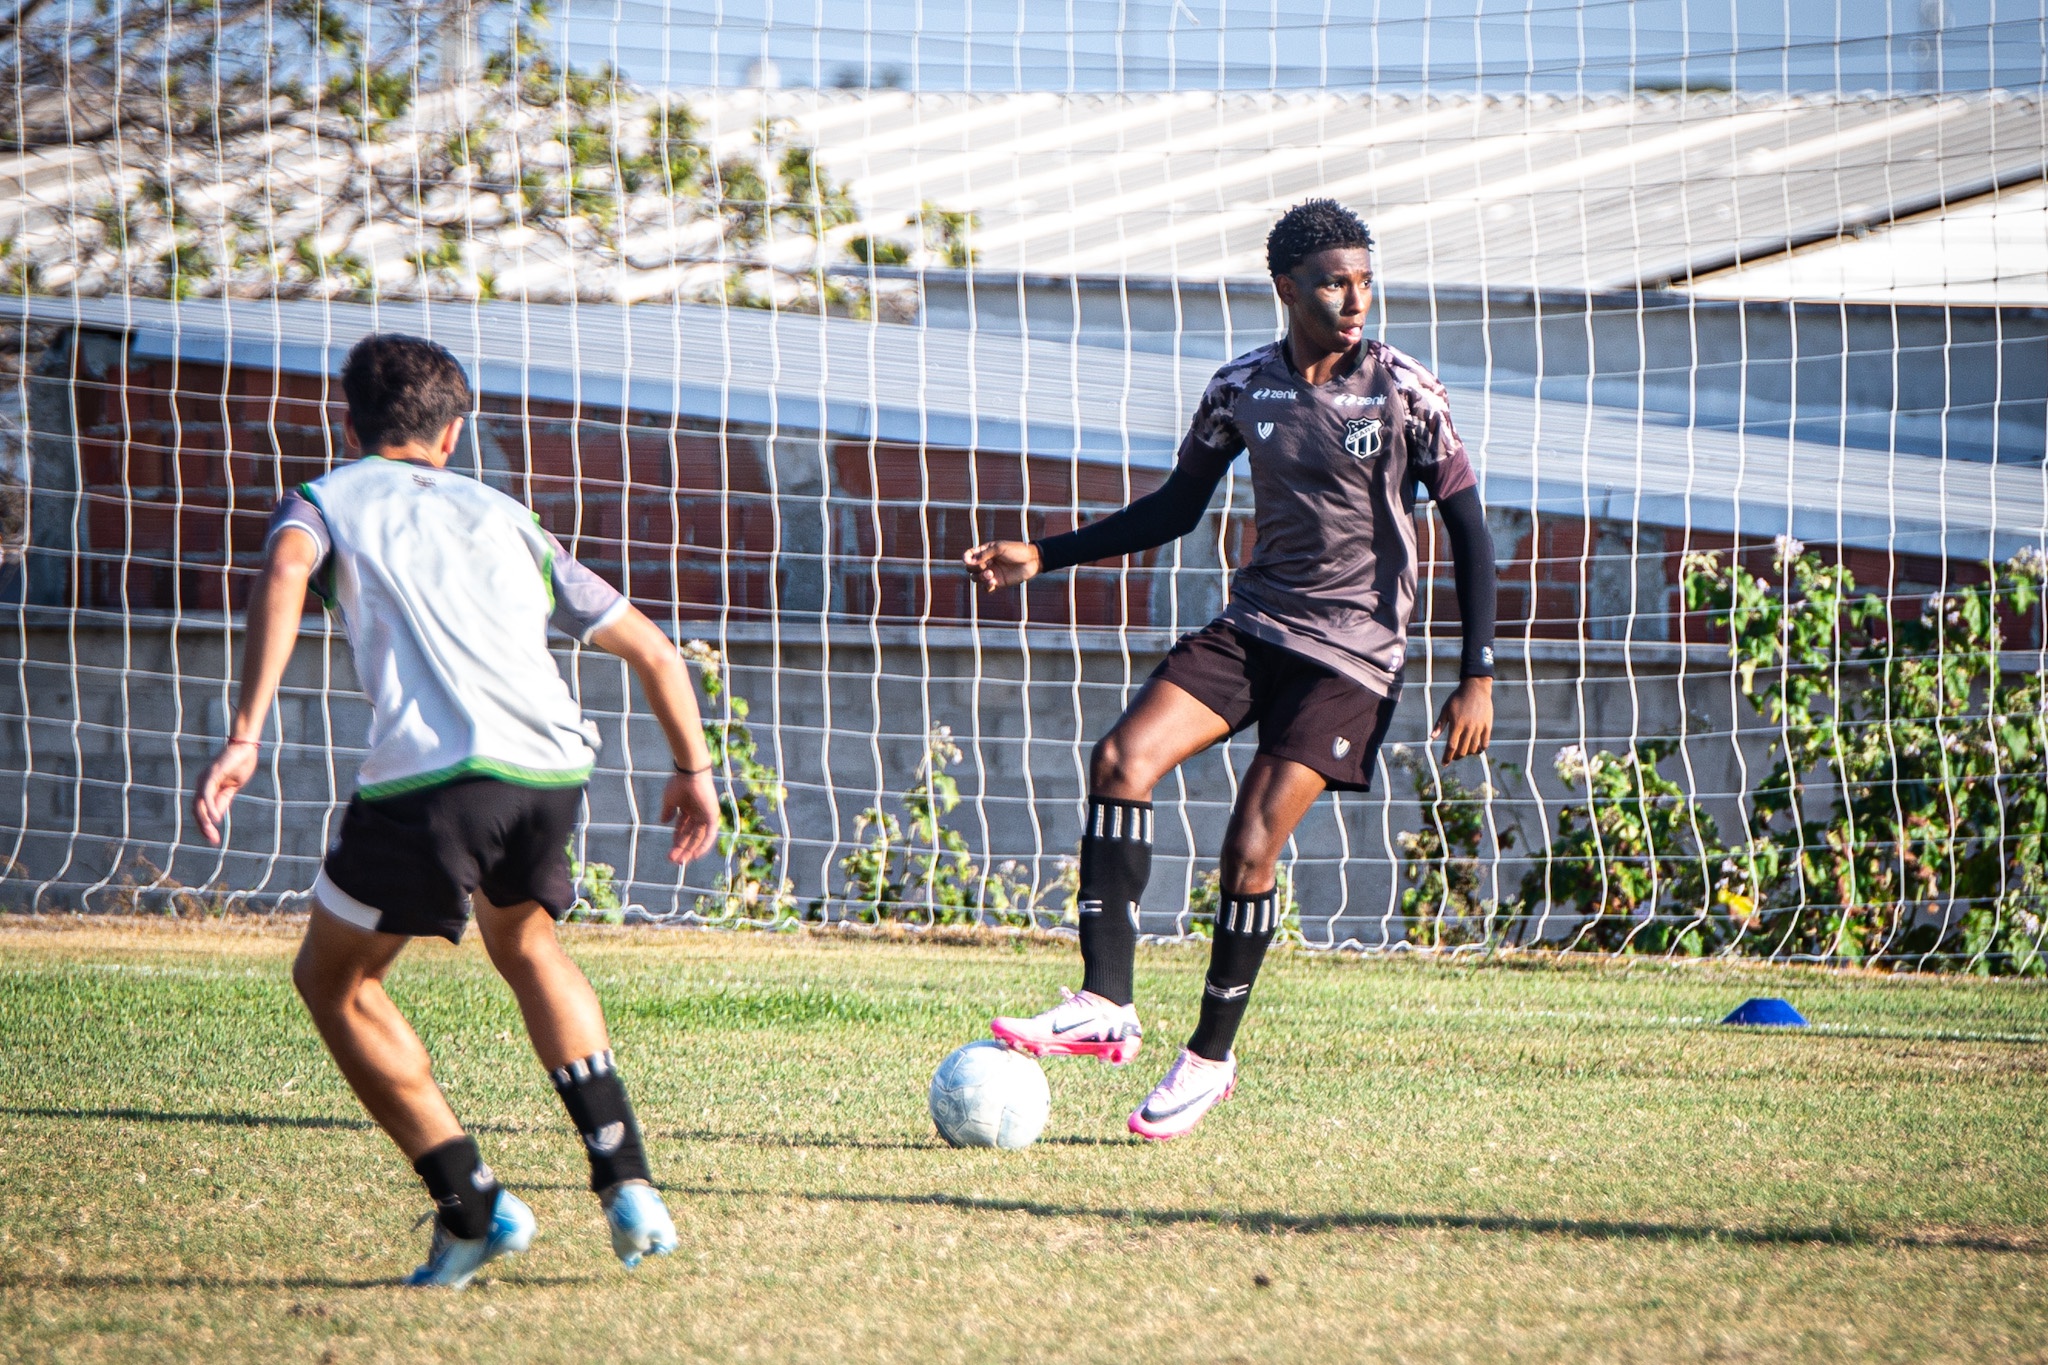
<point>1312,225</point>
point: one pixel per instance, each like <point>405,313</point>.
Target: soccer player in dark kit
<point>1339,430</point>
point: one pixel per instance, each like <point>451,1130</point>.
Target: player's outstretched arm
<point>272,628</point>
<point>689,801</point>
<point>1165,514</point>
<point>1466,722</point>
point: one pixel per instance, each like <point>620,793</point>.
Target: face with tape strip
<point>1327,297</point>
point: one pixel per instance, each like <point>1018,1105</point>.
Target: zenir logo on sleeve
<point>1362,437</point>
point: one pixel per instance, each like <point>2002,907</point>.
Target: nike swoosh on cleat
<point>1155,1115</point>
<point>1069,1028</point>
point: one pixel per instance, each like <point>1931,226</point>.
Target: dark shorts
<point>1304,712</point>
<point>407,864</point>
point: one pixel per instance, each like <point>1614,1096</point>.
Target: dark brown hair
<point>1312,225</point>
<point>402,389</point>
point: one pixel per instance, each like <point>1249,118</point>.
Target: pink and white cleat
<point>1081,1025</point>
<point>1191,1087</point>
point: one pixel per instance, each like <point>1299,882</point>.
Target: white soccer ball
<point>985,1095</point>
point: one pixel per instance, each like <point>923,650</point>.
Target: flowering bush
<point>1633,856</point>
<point>929,873</point>
<point>1907,809</point>
<point>1440,861</point>
<point>1903,820</point>
<point>751,885</point>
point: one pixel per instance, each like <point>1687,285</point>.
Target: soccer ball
<point>985,1095</point>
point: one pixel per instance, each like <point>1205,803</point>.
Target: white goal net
<point>772,313</point>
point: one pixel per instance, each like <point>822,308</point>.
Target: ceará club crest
<point>1362,437</point>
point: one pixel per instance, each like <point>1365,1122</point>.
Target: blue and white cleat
<point>453,1261</point>
<point>639,1221</point>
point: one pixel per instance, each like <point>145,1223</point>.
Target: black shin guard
<point>1244,926</point>
<point>463,1189</point>
<point>597,1105</point>
<point>1116,862</point>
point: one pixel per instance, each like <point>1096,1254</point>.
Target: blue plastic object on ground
<point>1766,1010</point>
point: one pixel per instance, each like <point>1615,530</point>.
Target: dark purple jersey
<point>1332,576</point>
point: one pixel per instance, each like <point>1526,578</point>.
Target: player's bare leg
<point>566,1025</point>
<point>340,975</point>
<point>1276,794</point>
<point>563,1018</point>
<point>1163,727</point>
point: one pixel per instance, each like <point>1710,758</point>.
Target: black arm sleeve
<point>1165,514</point>
<point>1472,565</point>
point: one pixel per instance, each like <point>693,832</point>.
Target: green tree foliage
<point>367,155</point>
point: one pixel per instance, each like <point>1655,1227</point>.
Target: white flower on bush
<point>2030,561</point>
<point>1572,765</point>
<point>1789,549</point>
<point>941,746</point>
<point>703,655</point>
<point>1701,561</point>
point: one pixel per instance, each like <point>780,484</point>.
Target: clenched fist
<point>1002,563</point>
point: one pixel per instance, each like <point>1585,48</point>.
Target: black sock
<point>1116,862</point>
<point>463,1188</point>
<point>597,1105</point>
<point>1244,926</point>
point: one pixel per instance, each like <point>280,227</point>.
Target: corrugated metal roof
<point>949,389</point>
<point>1580,192</point>
<point>1597,192</point>
<point>1991,250</point>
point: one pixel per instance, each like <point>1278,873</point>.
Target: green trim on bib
<point>320,590</point>
<point>478,767</point>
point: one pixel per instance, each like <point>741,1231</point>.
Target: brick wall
<point>180,465</point>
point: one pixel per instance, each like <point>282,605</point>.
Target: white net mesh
<point>1741,318</point>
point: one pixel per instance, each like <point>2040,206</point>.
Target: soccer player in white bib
<point>1339,429</point>
<point>477,763</point>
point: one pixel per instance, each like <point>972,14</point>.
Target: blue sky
<point>1499,45</point>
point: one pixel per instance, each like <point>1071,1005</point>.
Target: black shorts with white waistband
<point>408,864</point>
<point>1305,713</point>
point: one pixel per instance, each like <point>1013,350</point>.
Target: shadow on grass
<point>165,1116</point>
<point>147,1281</point>
<point>1591,1228</point>
<point>850,1142</point>
<point>221,1120</point>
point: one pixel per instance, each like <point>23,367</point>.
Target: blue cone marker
<point>1766,1011</point>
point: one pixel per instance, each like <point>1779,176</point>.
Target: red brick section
<point>182,463</point>
<point>904,515</point>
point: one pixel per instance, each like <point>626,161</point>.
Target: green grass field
<point>1424,1161</point>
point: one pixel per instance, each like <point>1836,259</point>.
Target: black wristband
<point>694,772</point>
